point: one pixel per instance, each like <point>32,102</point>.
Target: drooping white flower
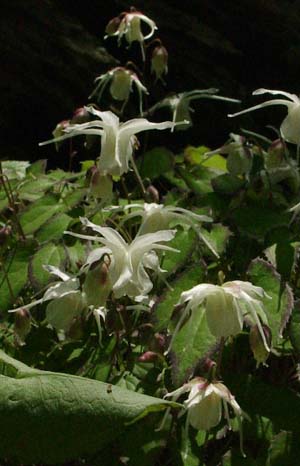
<point>128,25</point>
<point>121,82</point>
<point>159,62</point>
<point>129,261</point>
<point>225,306</point>
<point>117,139</point>
<point>207,403</point>
<point>179,104</point>
<point>239,155</point>
<point>290,127</point>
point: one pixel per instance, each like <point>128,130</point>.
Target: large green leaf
<point>50,254</point>
<point>156,162</point>
<point>54,228</point>
<point>192,342</point>
<point>50,417</point>
<point>185,241</point>
<point>279,308</point>
<point>39,212</point>
<point>16,273</point>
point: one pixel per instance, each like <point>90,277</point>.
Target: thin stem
<point>139,179</point>
<point>11,201</point>
<point>220,354</point>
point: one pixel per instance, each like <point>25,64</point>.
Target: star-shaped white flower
<point>117,139</point>
<point>290,127</point>
<point>129,261</point>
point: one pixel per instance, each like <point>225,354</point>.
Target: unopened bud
<point>112,26</point>
<point>22,325</point>
<point>5,233</point>
<point>159,62</point>
<point>121,83</point>
<point>59,131</point>
<point>148,356</point>
<point>152,194</point>
<point>80,115</point>
<point>101,185</point>
<point>257,345</point>
<point>97,284</point>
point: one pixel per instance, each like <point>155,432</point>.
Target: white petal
<point>290,127</point>
<point>268,103</point>
<point>293,97</point>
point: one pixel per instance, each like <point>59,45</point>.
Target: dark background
<point>53,49</point>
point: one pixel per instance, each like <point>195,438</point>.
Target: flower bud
<point>148,356</point>
<point>112,26</point>
<point>121,83</point>
<point>97,285</point>
<point>257,345</point>
<point>59,131</point>
<point>80,115</point>
<point>22,325</point>
<point>152,194</point>
<point>159,62</point>
<point>5,232</point>
<point>101,185</point>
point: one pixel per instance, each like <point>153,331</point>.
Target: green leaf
<point>164,308</point>
<point>227,184</point>
<point>196,156</point>
<point>156,162</point>
<point>54,228</point>
<point>257,220</point>
<point>39,212</point>
<point>280,450</point>
<point>198,180</point>
<point>50,254</point>
<point>15,169</point>
<point>16,266</point>
<point>193,342</point>
<point>185,241</point>
<point>51,418</point>
<point>218,237</point>
<point>279,308</point>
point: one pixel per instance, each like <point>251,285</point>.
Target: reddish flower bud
<point>148,356</point>
<point>159,62</point>
<point>22,325</point>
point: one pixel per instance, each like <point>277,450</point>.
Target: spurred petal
<point>268,103</point>
<point>290,96</point>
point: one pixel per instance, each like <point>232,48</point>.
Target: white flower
<point>117,139</point>
<point>180,104</point>
<point>128,24</point>
<point>290,127</point>
<point>206,403</point>
<point>66,300</point>
<point>121,82</point>
<point>226,307</point>
<point>158,217</point>
<point>127,270</point>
